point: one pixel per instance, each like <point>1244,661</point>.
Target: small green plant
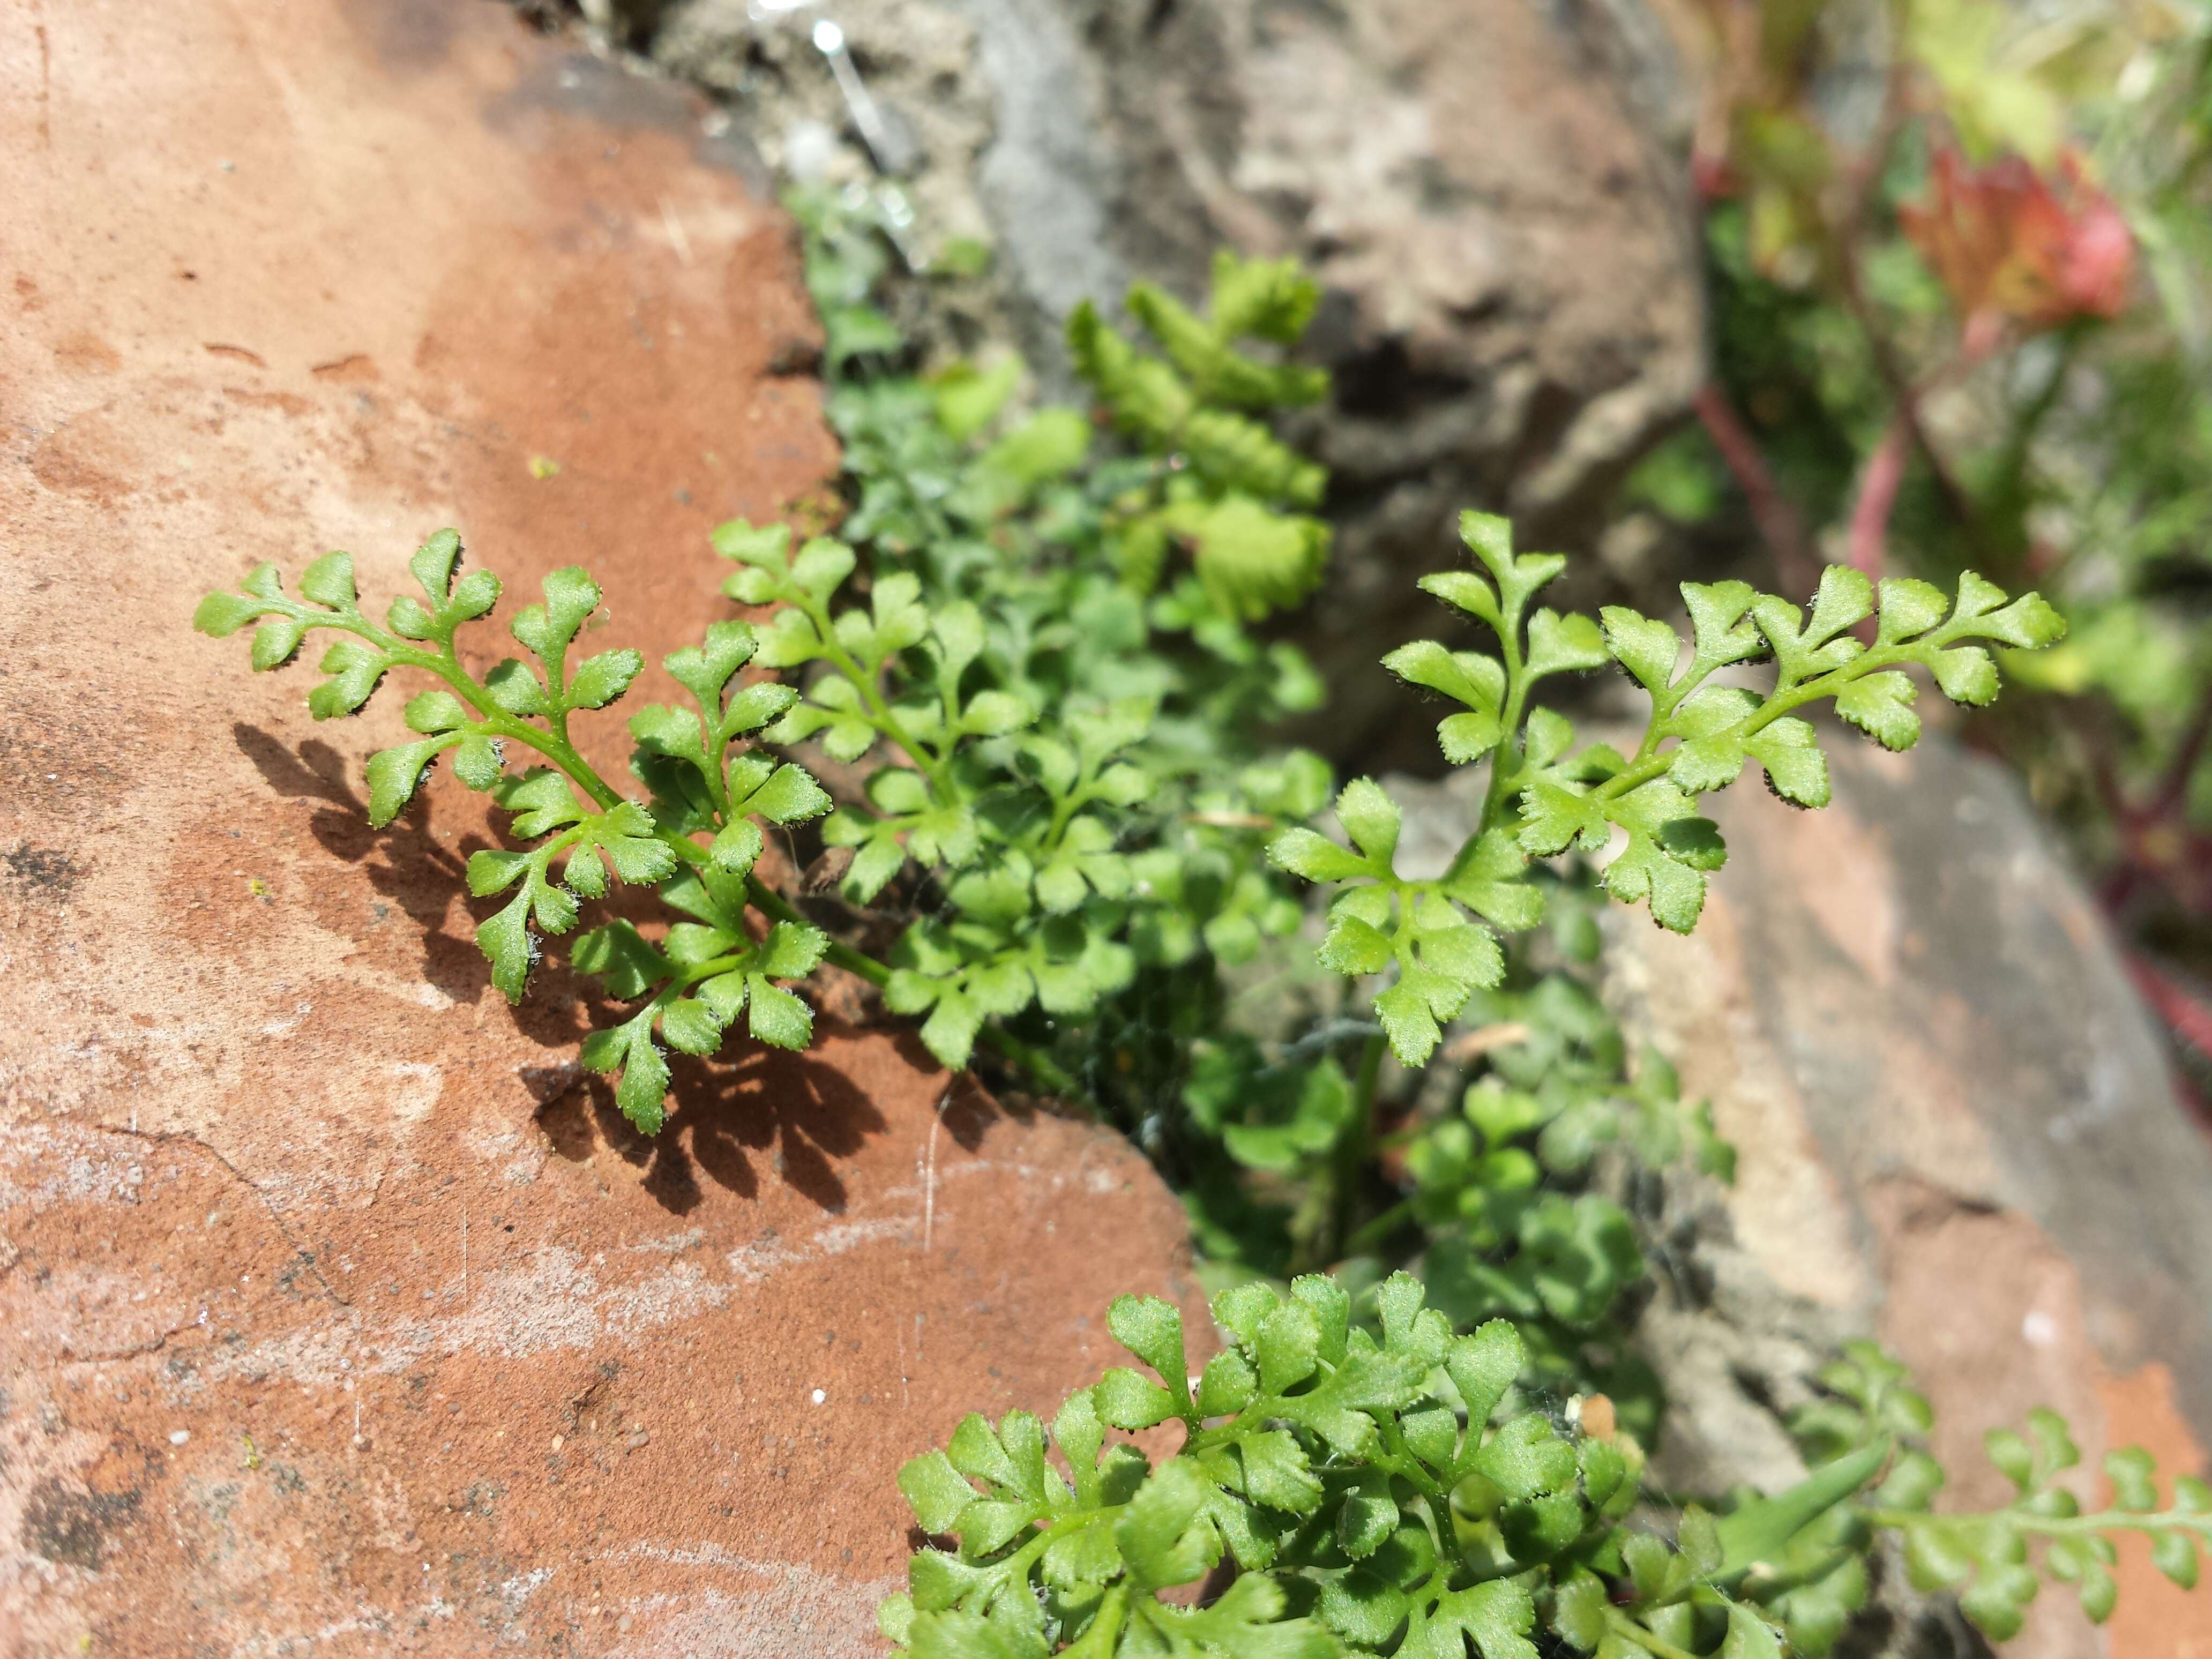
<point>1040,632</point>
<point>1042,901</point>
<point>1065,791</point>
<point>1547,796</point>
<point>1492,1195</point>
<point>1093,858</point>
<point>1383,1486</point>
<point>705,776</point>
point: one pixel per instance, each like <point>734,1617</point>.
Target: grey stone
<point>1956,1129</point>
<point>1490,190</point>
<point>1514,312</point>
<point>1909,993</point>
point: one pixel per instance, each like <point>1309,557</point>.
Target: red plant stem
<point>2174,787</point>
<point>1778,523</point>
<point>2158,846</point>
<point>1845,238</point>
<point>1878,483</point>
<point>2186,1014</point>
<point>1907,399</point>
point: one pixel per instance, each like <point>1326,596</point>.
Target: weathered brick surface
<point>337,1314</point>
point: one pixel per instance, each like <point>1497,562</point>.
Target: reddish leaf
<point>2011,242</point>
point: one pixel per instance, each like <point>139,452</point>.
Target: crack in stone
<point>170,1137</point>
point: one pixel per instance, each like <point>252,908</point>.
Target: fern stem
<point>1356,1146</point>
<point>1043,1070</point>
<point>1040,1065</point>
<point>2053,1526</point>
<point>1505,759</point>
<point>1781,701</point>
<point>550,740</point>
<point>768,901</point>
<point>1402,1462</point>
<point>880,715</point>
<point>1630,1632</point>
<point>1373,1232</point>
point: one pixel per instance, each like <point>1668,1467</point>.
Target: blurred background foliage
<point>1960,263</point>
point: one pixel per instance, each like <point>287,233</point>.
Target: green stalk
<point>1505,759</point>
<point>555,747</point>
<point>1356,1146</point>
<point>932,766</point>
<point>1039,1065</point>
<point>1371,1233</point>
<point>1780,703</point>
<point>1627,1628</point>
<point>2053,1526</point>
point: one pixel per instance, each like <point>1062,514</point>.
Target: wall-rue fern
<point>1384,1486</point>
<point>1547,797</point>
<point>1041,635</point>
<point>1053,663</point>
<point>704,774</point>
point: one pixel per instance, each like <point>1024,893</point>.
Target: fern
<point>1049,757</point>
<point>1547,797</point>
<point>1355,1478</point>
<point>1040,642</point>
<point>1052,762</point>
<point>705,776</point>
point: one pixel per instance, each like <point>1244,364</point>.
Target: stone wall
<point>1490,192</point>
